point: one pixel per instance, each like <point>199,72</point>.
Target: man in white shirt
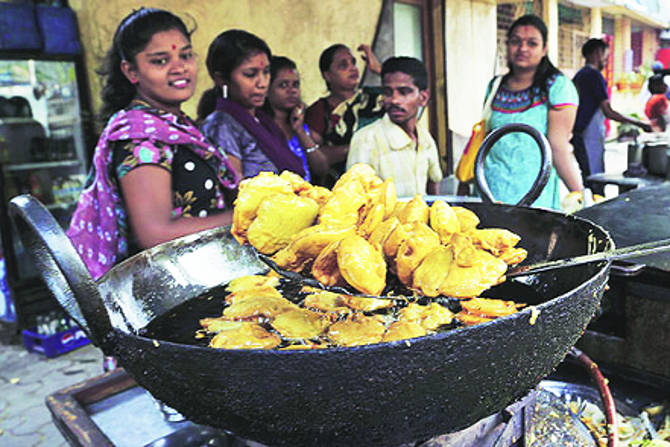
<point>394,145</point>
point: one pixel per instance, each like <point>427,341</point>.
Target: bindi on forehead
<point>257,60</point>
<point>527,32</point>
<point>174,47</point>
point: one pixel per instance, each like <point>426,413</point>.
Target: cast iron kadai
<point>383,394</point>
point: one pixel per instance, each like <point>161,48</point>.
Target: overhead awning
<point>643,11</point>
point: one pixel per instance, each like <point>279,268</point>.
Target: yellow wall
<point>299,30</point>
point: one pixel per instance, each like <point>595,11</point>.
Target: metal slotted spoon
<point>312,282</point>
<point>632,251</point>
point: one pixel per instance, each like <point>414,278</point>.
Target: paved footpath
<point>25,381</point>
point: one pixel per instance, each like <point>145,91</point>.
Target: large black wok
<point>383,394</point>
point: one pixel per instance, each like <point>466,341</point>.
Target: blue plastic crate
<point>7,311</point>
<point>56,344</point>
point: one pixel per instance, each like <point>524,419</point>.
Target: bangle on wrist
<point>309,150</point>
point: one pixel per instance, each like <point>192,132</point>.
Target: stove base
<point>111,410</point>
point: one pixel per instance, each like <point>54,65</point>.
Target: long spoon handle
<point>632,251</point>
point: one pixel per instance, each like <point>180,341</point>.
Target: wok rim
<point>609,242</point>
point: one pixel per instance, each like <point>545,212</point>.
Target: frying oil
<point>182,323</point>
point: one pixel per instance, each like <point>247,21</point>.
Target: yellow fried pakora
<point>367,304</point>
<point>252,292</point>
<point>361,265</point>
<point>254,307</point>
<point>467,219</point>
<point>300,323</point>
<point>395,238</point>
<point>326,301</point>
<point>372,217</point>
<point>342,209</point>
<point>465,252</point>
<point>385,195</point>
<point>361,173</point>
<point>416,210</point>
<point>433,270</point>
<point>252,282</point>
<point>390,197</point>
<point>421,241</point>
<point>382,232</point>
<point>214,325</point>
<point>494,240</point>
<point>490,308</point>
<point>356,329</point>
<point>430,316</point>
<point>317,193</point>
<point>298,183</point>
<point>360,222</point>
<point>444,221</point>
<point>307,245</point>
<point>279,218</point>
<point>465,282</point>
<point>325,268</point>
<point>513,256</point>
<point>251,193</point>
<point>402,330</point>
<point>244,335</point>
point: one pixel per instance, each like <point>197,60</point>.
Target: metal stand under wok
<point>381,394</point>
<point>111,410</point>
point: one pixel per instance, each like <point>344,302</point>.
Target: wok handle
<point>545,165</point>
<point>60,266</point>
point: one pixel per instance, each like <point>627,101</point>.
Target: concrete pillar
<point>621,43</point>
<point>649,45</point>
<point>596,23</point>
<point>550,17</point>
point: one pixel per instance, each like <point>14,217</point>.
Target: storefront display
<point>44,153</point>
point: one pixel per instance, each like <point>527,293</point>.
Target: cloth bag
<point>465,170</point>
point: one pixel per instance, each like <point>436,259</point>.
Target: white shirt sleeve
<point>434,168</point>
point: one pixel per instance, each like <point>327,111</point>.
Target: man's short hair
<point>410,66</point>
<point>593,45</point>
<point>656,84</point>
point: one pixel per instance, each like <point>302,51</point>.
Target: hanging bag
<point>465,170</point>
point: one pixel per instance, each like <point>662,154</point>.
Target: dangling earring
<point>224,90</point>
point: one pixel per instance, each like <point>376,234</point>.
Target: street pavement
<point>27,378</point>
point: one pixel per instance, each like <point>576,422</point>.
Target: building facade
<point>462,41</point>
